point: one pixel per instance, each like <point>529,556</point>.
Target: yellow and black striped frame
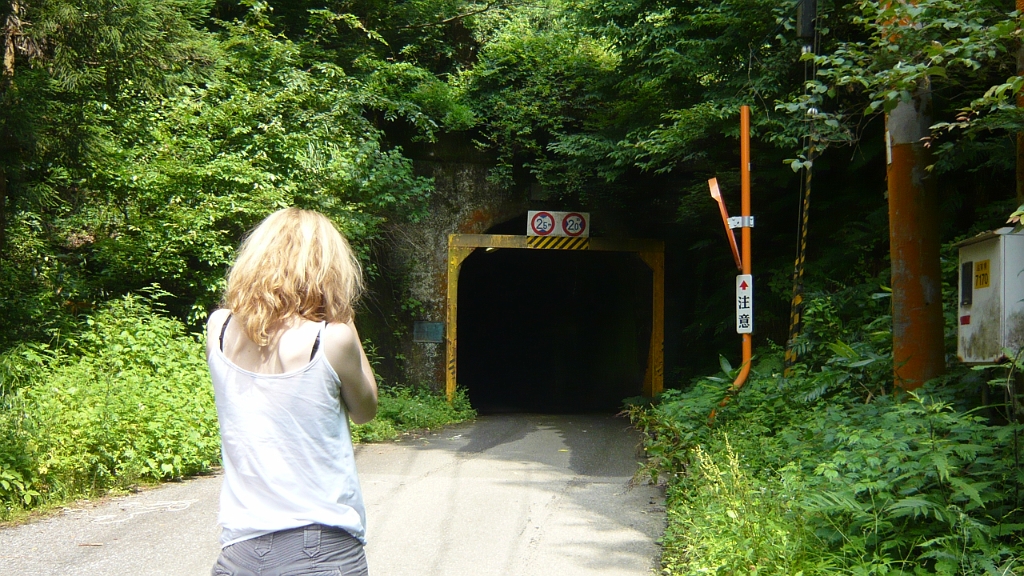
<point>652,252</point>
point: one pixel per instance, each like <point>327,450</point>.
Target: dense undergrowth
<point>126,399</point>
<point>404,409</point>
<point>828,472</point>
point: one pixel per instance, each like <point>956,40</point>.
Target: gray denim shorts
<point>313,550</point>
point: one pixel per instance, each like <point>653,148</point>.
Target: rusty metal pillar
<point>917,321</point>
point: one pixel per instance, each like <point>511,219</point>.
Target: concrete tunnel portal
<point>553,331</point>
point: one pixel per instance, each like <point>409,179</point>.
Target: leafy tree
<point>629,107</point>
<point>194,171</point>
<point>962,52</point>
<point>146,140</point>
<point>64,64</point>
<point>540,80</point>
<point>641,86</point>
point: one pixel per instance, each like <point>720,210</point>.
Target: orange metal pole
<point>748,342</point>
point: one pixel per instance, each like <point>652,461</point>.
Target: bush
<point>126,399</point>
<point>403,409</point>
<point>825,471</point>
<point>915,485</point>
<point>727,521</point>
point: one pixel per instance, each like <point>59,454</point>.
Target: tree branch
<point>447,21</point>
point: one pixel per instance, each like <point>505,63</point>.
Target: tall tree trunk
<point>917,320</point>
<point>11,29</point>
<point>3,212</point>
<point>1020,104</point>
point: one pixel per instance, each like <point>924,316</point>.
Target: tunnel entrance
<point>555,331</point>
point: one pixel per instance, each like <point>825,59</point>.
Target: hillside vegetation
<point>140,139</point>
<point>830,471</point>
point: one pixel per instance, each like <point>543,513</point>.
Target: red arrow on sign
<point>743,285</point>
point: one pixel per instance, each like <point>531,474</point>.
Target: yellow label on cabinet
<point>981,279</point>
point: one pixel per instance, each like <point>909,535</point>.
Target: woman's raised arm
<point>358,384</point>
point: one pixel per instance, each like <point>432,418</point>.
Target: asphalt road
<point>506,495</point>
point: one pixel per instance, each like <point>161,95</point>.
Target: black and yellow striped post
<point>652,252</point>
<point>796,310</point>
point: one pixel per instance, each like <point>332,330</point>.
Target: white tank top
<point>287,451</point>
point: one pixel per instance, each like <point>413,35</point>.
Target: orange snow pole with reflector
<point>743,261</point>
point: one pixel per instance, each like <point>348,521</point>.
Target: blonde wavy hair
<point>295,263</point>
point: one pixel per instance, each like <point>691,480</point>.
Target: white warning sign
<point>550,223</point>
<point>744,304</point>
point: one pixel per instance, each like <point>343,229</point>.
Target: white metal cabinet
<point>991,296</point>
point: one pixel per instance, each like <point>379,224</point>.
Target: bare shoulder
<point>213,325</point>
<point>217,316</point>
<point>340,339</point>
<point>216,320</point>
<point>344,351</point>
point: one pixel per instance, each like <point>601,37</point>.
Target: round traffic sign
<point>574,224</point>
<point>542,223</point>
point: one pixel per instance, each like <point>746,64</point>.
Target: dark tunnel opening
<point>553,331</point>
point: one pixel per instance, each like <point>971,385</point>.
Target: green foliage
<point>962,53</point>
<point>141,145</point>
<point>99,44</point>
<point>831,320</point>
<point>584,93</point>
<point>841,475</point>
<point>404,409</point>
<point>70,61</point>
<point>203,166</point>
<point>539,78</point>
<point>916,483</point>
<point>376,430</point>
<point>728,521</point>
<point>128,398</point>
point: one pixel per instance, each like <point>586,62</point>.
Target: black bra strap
<point>316,344</point>
<point>224,328</point>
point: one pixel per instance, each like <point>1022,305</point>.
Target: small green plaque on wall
<point>428,332</point>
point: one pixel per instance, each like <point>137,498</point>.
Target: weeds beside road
<point>126,399</point>
<point>828,472</point>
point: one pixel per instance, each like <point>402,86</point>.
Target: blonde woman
<point>289,372</point>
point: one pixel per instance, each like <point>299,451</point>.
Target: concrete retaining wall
<point>463,202</point>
